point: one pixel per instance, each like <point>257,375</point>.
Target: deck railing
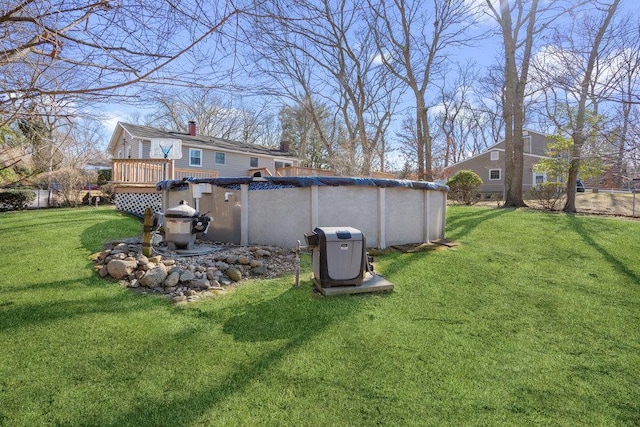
<point>301,171</point>
<point>193,173</point>
<point>151,171</point>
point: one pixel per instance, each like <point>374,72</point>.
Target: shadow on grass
<point>93,238</point>
<point>292,316</point>
<point>15,315</point>
<point>463,221</point>
<point>578,226</point>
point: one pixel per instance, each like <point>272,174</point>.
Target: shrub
<point>17,199</point>
<point>549,195</point>
<point>464,186</point>
<point>69,183</point>
<point>104,176</point>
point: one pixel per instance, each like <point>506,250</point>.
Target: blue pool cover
<point>276,182</point>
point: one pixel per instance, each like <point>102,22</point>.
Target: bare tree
<point>518,37</point>
<point>628,88</point>
<point>299,129</point>
<point>576,74</point>
<point>412,38</point>
<point>69,48</point>
<point>455,114</point>
<point>324,51</point>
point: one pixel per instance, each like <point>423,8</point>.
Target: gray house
<point>490,165</point>
<point>202,155</point>
<point>137,167</point>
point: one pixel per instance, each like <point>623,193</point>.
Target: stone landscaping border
<point>190,278</point>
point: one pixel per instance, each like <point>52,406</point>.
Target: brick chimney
<point>193,130</point>
<point>284,146</point>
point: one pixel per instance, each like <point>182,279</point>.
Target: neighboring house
<point>490,165</point>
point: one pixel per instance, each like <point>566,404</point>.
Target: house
<point>201,154</point>
<point>136,168</point>
<point>490,165</point>
<point>138,164</point>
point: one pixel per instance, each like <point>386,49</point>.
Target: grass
<point>533,319</point>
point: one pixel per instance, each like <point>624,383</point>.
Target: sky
<point>486,53</point>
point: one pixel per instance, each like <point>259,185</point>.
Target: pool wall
<point>279,212</point>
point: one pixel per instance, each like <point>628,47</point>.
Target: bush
<point>17,199</point>
<point>69,183</point>
<point>464,187</point>
<point>104,176</point>
<point>549,195</point>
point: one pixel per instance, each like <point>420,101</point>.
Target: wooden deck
<point>148,172</point>
<point>145,172</point>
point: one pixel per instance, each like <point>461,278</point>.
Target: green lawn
<point>533,320</point>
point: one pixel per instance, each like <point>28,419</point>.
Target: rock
<point>104,271</point>
<point>187,276</point>
<point>172,279</point>
<point>119,269</point>
<point>260,271</point>
<point>200,276</point>
<point>201,284</point>
<point>263,253</point>
<point>234,274</point>
<point>154,277</point>
<point>179,298</point>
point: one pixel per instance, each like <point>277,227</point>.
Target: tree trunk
<point>579,136</point>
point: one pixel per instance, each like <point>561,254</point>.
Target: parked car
<point>579,186</point>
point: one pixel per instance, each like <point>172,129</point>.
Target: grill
<point>181,224</point>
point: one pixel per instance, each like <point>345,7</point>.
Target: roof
<point>148,132</point>
<point>497,147</point>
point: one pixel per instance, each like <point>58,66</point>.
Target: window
<point>495,155</point>
<point>253,162</point>
<point>539,178</point>
<point>195,157</point>
<point>220,158</point>
<point>494,174</point>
